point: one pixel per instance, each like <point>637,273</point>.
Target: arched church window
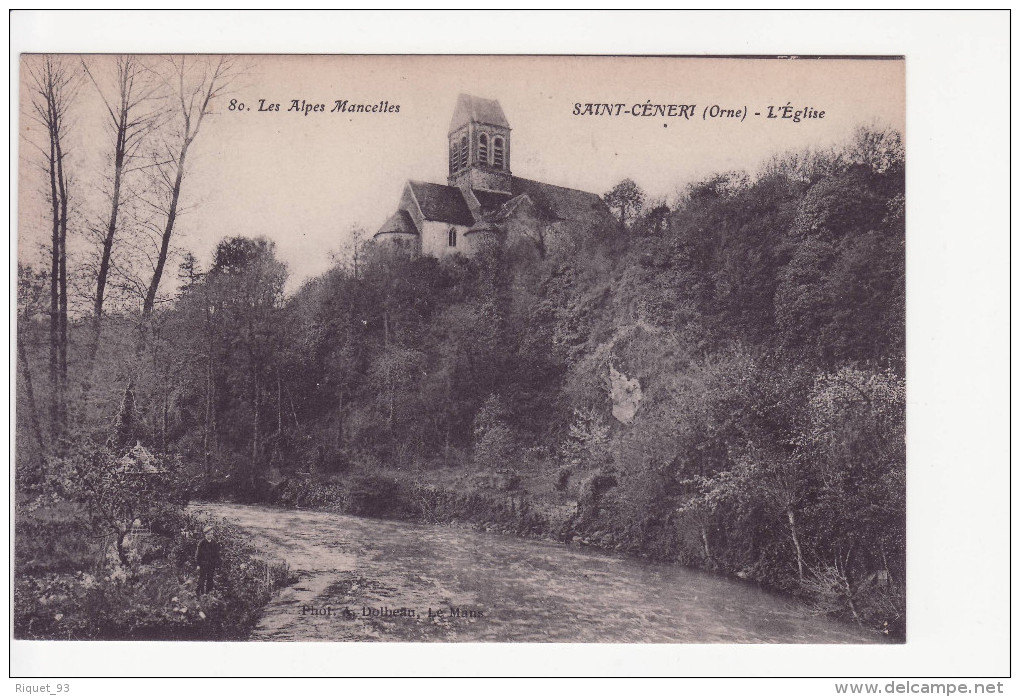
<point>497,152</point>
<point>483,149</point>
<point>453,237</point>
<point>463,152</point>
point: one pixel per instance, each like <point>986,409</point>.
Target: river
<point>364,579</point>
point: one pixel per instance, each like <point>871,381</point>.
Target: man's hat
<point>207,528</point>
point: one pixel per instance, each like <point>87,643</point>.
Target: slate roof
<point>446,204</point>
<point>442,203</point>
<point>490,200</point>
<point>560,202</point>
<point>471,108</point>
<point>399,222</point>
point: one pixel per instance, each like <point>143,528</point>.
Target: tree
<point>856,441</point>
<point>246,289</point>
<point>119,489</point>
<point>354,250</point>
<point>841,294</point>
<point>132,115</point>
<point>31,302</point>
<point>495,445</point>
<point>123,430</point>
<point>54,86</point>
<point>195,85</point>
<point>626,198</point>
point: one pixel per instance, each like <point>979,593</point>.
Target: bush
<point>307,491</point>
<point>83,595</point>
<point>107,553</point>
<point>563,477</point>
<point>376,495</point>
<point>118,490</point>
<point>495,443</point>
<point>508,479</point>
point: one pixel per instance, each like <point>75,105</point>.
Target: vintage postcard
<point>517,349</point>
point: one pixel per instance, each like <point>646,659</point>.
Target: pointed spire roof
<point>471,108</point>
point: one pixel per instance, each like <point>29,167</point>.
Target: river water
<point>376,580</point>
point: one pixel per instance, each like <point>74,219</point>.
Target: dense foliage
<point>82,574</point>
<point>761,317</point>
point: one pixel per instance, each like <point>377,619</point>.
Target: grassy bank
<point>72,586</point>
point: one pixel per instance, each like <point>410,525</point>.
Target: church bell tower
<point>479,145</point>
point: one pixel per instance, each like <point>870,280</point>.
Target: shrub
<point>153,597</point>
<point>495,444</point>
<point>375,495</point>
<point>593,490</point>
<point>563,477</point>
<point>508,479</point>
<point>119,491</point>
<point>307,491</point>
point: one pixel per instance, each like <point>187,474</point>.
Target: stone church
<point>482,201</point>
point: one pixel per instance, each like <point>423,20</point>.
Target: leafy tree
<point>120,491</point>
<point>234,332</point>
<point>123,430</point>
<point>495,444</point>
<point>626,198</point>
<point>841,296</point>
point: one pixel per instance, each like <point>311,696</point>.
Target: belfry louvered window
<point>463,152</point>
<point>497,152</point>
<point>483,149</point>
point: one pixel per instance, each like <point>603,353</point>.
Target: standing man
<point>207,557</point>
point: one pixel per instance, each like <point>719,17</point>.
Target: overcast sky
<point>306,181</point>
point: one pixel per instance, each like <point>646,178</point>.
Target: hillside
<point>719,383</point>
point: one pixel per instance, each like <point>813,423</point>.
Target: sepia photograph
<point>463,348</point>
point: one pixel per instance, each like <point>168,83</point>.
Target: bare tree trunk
<point>130,131</point>
<point>796,543</point>
<point>293,411</point>
<point>120,123</point>
<point>340,417</point>
<point>62,284</point>
<point>107,251</point>
<point>121,550</point>
<point>53,87</point>
<point>208,414</point>
<point>279,403</point>
<point>168,231</point>
<point>847,590</point>
<point>391,388</point>
<point>704,542</point>
<point>55,249</point>
<point>33,413</point>
<point>255,430</point>
<point>165,426</point>
<point>389,369</point>
<point>195,103</point>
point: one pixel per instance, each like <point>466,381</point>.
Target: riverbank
<point>70,585</point>
<point>575,512</point>
<point>373,579</point>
